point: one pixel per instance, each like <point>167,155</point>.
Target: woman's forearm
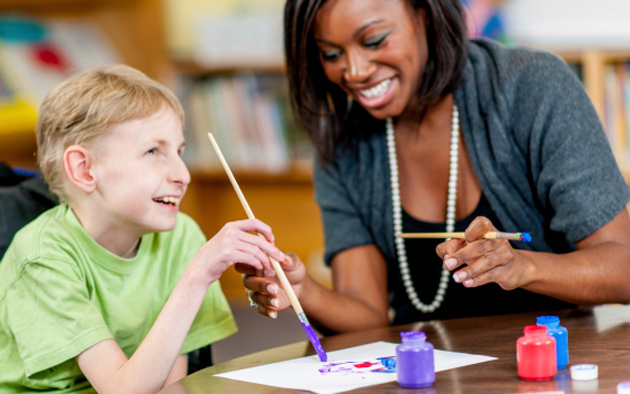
<point>594,275</point>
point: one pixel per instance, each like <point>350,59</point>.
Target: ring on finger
<point>252,303</point>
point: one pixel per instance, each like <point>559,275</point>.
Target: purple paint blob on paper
<point>378,365</point>
<point>345,367</point>
<point>314,341</point>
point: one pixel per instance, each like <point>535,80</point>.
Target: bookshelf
<point>249,114</point>
<point>134,27</point>
<point>281,195</point>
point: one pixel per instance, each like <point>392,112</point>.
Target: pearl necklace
<point>397,213</point>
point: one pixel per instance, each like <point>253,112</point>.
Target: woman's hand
<point>264,286</point>
<point>486,260</point>
<point>357,301</point>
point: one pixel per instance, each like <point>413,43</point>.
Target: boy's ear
<point>78,162</point>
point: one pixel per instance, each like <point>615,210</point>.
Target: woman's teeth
<point>376,91</point>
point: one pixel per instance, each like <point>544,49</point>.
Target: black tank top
<point>425,267</point>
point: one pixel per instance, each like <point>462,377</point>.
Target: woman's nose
<point>358,67</point>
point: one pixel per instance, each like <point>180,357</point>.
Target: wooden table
<point>596,336</point>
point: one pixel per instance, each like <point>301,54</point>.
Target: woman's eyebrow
<point>362,28</point>
<point>355,35</point>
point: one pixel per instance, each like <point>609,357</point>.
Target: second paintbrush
<point>524,237</point>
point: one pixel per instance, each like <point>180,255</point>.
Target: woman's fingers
<point>267,294</point>
<point>477,261</point>
<point>448,248</point>
<point>264,291</point>
<point>499,265</point>
<point>260,285</point>
<point>247,269</point>
<point>477,228</point>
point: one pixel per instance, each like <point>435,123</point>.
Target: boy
<point>111,289</point>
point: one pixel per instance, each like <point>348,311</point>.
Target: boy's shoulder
<point>58,235</point>
<point>40,237</point>
<point>23,197</point>
<point>50,231</point>
<point>49,227</point>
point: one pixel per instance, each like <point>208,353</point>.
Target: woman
<point>417,129</point>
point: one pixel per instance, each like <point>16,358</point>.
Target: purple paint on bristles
<point>313,337</point>
<point>315,342</point>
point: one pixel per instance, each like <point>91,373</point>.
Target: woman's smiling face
<point>376,51</point>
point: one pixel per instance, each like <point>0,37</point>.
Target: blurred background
<point>224,59</point>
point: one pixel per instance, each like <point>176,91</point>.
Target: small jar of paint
<point>623,387</point>
<point>559,333</point>
<point>414,360</point>
<point>536,354</point>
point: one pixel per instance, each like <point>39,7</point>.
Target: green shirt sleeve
<point>66,321</point>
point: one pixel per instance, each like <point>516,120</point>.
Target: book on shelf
<point>251,37</point>
<point>225,33</point>
<point>251,120</point>
<point>38,54</point>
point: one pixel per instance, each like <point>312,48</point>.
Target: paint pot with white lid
<point>584,372</point>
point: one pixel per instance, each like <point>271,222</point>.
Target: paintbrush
<point>295,303</point>
<point>525,237</point>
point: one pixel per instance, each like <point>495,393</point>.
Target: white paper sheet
<point>304,373</point>
<point>611,316</point>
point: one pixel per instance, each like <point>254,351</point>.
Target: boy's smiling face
<point>140,175</point>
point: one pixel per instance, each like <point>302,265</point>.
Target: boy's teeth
<point>376,91</point>
<point>167,200</point>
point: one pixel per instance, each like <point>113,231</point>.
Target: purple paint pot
<point>414,360</point>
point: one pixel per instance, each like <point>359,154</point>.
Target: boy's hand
<point>235,243</point>
<point>264,287</point>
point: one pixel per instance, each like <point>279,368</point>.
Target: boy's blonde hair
<point>86,106</point>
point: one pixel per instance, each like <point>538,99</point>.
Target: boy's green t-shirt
<point>61,292</point>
